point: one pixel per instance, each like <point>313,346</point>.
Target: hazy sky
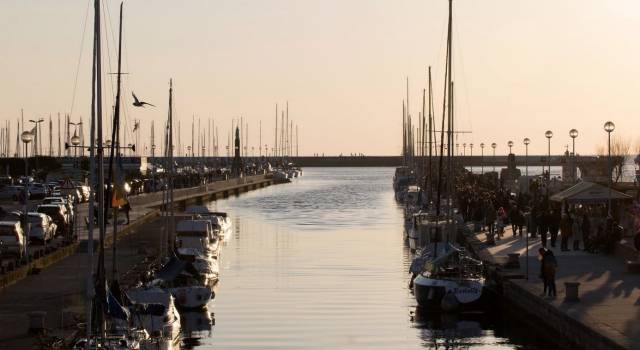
<point>521,67</point>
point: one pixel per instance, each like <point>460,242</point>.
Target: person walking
<point>554,226</point>
<point>566,228</point>
<point>549,268</point>
<point>490,218</point>
<point>127,208</point>
<point>541,253</point>
<point>502,216</point>
<point>544,227</point>
<point>576,230</point>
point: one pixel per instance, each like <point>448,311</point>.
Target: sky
<point>521,67</point>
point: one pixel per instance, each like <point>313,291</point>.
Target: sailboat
<point>445,277</point>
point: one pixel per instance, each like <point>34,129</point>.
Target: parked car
<point>42,228</point>
<point>11,192</point>
<point>64,201</point>
<point>84,192</point>
<point>73,192</point>
<point>37,190</point>
<point>12,238</point>
<point>58,214</point>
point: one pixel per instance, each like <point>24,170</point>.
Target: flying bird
<point>136,125</point>
<point>139,103</point>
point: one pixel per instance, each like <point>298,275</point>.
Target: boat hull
<point>470,294</point>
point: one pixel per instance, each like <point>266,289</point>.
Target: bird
<point>139,103</point>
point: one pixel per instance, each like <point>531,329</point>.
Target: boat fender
<point>449,302</point>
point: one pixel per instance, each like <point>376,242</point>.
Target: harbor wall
<point>568,332</point>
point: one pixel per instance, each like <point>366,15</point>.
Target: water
<point>321,264</point>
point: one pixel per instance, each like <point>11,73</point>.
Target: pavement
<point>609,296</point>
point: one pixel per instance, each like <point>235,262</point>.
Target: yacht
<point>154,310</point>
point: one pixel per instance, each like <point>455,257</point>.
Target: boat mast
<point>450,114</point>
<point>171,169</point>
<point>101,282</point>
<point>115,138</point>
<point>429,179</point>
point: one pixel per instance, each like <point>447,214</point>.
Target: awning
<point>588,193</point>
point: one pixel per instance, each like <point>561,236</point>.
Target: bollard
<point>490,239</point>
<point>36,321</point>
<point>513,261</point>
<point>571,291</point>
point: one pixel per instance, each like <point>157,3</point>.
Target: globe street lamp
<point>494,145</point>
<point>26,137</point>
<point>573,133</point>
<point>471,151</point>
<point>464,149</point>
<point>609,127</point>
<point>526,142</point>
<point>75,141</point>
<point>548,135</point>
<point>482,158</point>
<point>510,144</point>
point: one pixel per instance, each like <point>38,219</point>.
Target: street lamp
<point>482,158</point>
<point>464,149</point>
<point>26,137</point>
<point>609,127</point>
<point>494,145</point>
<point>75,140</point>
<point>510,144</point>
<point>471,151</point>
<point>573,133</point>
<point>526,142</point>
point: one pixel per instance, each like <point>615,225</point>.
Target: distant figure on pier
<point>548,267</point>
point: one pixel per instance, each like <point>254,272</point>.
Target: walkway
<point>609,296</point>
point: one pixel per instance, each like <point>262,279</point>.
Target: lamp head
<point>510,143</point>
<point>75,140</point>
<point>573,133</point>
<point>526,141</point>
<point>548,134</point>
<point>494,145</point>
<point>26,136</point>
<point>609,126</point>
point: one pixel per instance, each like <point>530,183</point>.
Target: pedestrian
<point>502,216</point>
<point>544,227</point>
<point>490,218</point>
<point>127,208</point>
<point>549,268</point>
<point>566,226</point>
<point>577,232</point>
<point>541,253</point>
<point>554,226</point>
<point>586,231</point>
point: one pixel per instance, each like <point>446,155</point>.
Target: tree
<point>620,150</point>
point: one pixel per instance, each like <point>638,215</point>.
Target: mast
<point>171,170</point>
<point>115,138</point>
<point>428,180</point>
<point>101,283</point>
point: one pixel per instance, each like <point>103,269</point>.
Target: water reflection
<point>321,263</point>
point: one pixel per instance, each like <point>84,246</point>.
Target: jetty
<point>598,301</point>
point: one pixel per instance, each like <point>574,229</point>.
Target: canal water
<point>320,263</point>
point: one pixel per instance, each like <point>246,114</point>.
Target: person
<point>490,218</point>
<point>577,232</point>
<point>544,227</point>
<point>502,216</point>
<point>549,266</point>
<point>566,226</point>
<point>586,231</point>
<point>541,253</point>
<point>554,226</point>
<point>127,208</point>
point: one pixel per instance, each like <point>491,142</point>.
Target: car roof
<point>52,205</point>
<point>9,223</point>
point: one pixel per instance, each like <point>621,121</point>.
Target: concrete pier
<point>606,314</point>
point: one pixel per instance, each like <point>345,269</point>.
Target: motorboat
<point>450,280</point>
<point>196,237</point>
<point>154,309</point>
<point>183,281</point>
<point>220,221</point>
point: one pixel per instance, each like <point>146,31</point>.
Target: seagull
<point>139,103</point>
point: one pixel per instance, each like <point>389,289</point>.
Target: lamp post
<point>457,149</point>
<point>548,135</point>
<point>482,158</point>
<point>510,144</point>
<point>471,151</point>
<point>189,151</point>
<point>526,142</point>
<point>464,149</point>
<point>609,127</point>
<point>494,145</point>
<point>153,172</point>
<point>75,140</point>
<point>26,137</point>
<point>573,133</point>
